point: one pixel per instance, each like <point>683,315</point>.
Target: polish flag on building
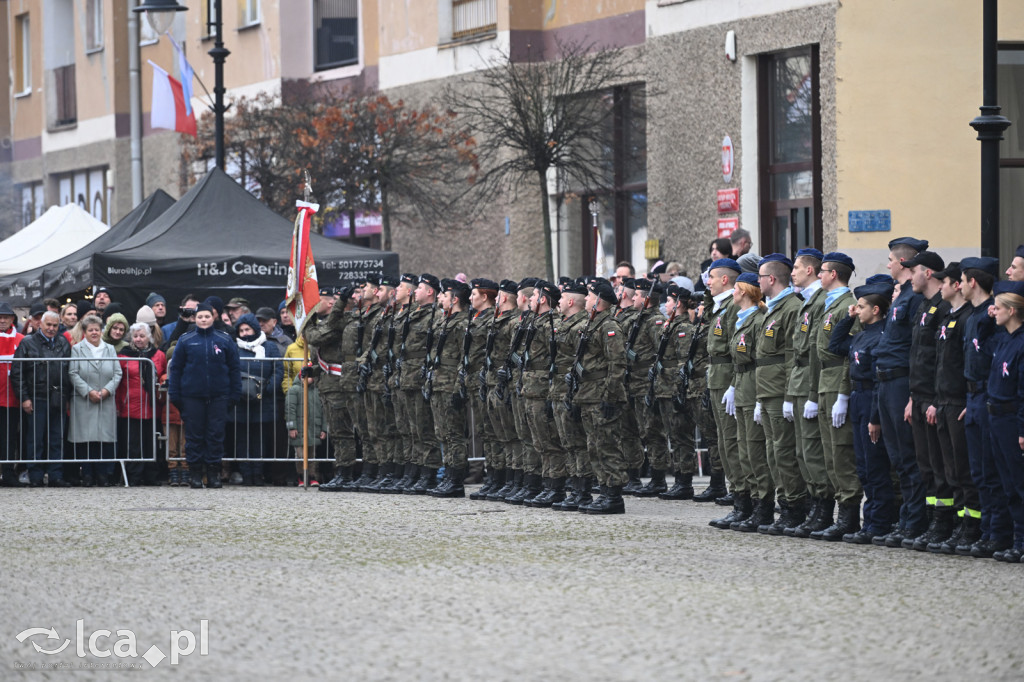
<point>303,291</point>
<point>169,108</point>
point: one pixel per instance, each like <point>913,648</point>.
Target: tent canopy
<point>219,239</point>
<point>55,234</point>
<point>73,272</point>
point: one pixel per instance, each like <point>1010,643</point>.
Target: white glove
<point>757,413</point>
<point>787,411</point>
<point>729,400</point>
<point>810,410</point>
<point>839,410</point>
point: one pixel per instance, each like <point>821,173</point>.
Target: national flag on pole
<point>187,74</point>
<point>168,108</point>
<point>303,294</point>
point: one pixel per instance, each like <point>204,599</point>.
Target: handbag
<point>252,387</point>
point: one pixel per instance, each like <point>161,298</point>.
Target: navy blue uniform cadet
<point>995,530</point>
<point>203,381</point>
<point>1006,408</point>
<point>892,359</point>
<point>857,336</point>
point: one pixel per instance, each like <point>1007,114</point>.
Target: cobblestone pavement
<point>313,585</point>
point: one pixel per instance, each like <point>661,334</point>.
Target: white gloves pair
<point>729,400</point>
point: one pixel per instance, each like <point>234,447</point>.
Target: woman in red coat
<point>136,416</point>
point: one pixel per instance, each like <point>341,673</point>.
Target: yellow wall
<point>29,114</point>
<point>549,14</point>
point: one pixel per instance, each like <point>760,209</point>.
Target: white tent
<point>55,234</point>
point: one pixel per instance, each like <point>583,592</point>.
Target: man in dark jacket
<point>204,381</point>
<point>43,389</point>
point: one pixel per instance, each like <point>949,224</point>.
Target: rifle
<point>429,344</point>
<point>552,348</point>
<point>634,331</point>
<point>527,343</point>
<point>428,387</point>
<point>366,369</point>
<point>401,349</point>
<point>656,368</point>
<point>575,374</point>
<point>512,360</point>
<point>361,329</point>
<point>492,334</point>
<point>467,345</point>
<point>686,369</point>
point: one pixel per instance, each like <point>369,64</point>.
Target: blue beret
<point>1008,287</point>
<point>985,264</point>
<point>883,289</point>
<point>916,244</point>
<point>837,257</point>
<point>749,278</point>
<point>725,263</point>
<point>776,258</point>
<point>811,253</point>
<point>880,279</point>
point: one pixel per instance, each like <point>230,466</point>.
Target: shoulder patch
<point>611,333</point>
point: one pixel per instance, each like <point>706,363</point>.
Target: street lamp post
<point>990,126</point>
<point>160,14</point>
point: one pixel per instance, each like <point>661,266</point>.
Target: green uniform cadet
<point>721,324</point>
<point>407,386</point>
<point>449,415</point>
<point>405,453</point>
<point>525,457</point>
<point>749,434</point>
<point>830,378</point>
<point>326,340</point>
<point>473,346</point>
<point>650,424</point>
<point>371,449</point>
<point>537,381</point>
<point>380,411</point>
<point>774,366</point>
<point>499,413</point>
<point>570,430</point>
<point>679,424</point>
<point>698,398</point>
<point>632,442</point>
<point>808,435</point>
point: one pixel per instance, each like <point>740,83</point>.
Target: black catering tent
<point>73,273</point>
<point>218,239</point>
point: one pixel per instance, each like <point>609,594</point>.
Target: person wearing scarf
<point>116,337</point>
<point>93,426</point>
<point>253,419</point>
<point>135,410</point>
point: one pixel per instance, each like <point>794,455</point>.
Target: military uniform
<point>698,404</point>
<point>632,442</point>
<point>474,345</point>
<point>380,412</point>
<point>651,427</point>
<point>750,439</point>
<point>449,412</point>
<point>570,429</point>
<point>721,324</point>
<point>537,381</point>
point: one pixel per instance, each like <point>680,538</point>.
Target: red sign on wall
<point>729,200</point>
<point>726,226</point>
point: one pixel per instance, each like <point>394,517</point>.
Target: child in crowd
<point>315,432</point>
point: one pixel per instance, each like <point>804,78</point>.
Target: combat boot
<point>366,478</point>
<point>495,482</point>
<point>725,500</point>
<point>810,514</point>
<point>545,483</point>
<point>819,523</point>
<point>634,483</point>
<point>426,482</point>
<point>531,486</point>
<point>943,521</point>
<point>653,487</point>
<point>446,483</point>
<point>384,477</point>
<point>985,549</point>
<point>341,477</point>
<point>586,496</point>
<point>763,515</point>
<point>716,488</point>
<point>742,508</point>
<point>793,514</point>
<point>682,488</point>
<point>948,546</point>
<point>571,488</point>
<point>847,522</point>
<point>517,485</point>
<point>195,473</point>
<point>610,502</point>
<point>511,475</point>
<point>1011,555</point>
<point>971,534</point>
<point>395,485</point>
<point>553,494</point>
<point>453,487</point>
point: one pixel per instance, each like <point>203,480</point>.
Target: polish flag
<point>302,291</point>
<point>169,108</point>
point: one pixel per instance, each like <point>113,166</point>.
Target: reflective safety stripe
<point>960,513</point>
<point>973,513</point>
<point>930,501</point>
<point>943,501</point>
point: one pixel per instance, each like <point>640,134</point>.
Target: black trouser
<point>955,463</point>
<point>929,454</point>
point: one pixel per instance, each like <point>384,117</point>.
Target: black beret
<point>551,290</point>
<point>527,282</point>
<point>508,286</point>
<point>483,283</point>
<point>388,281</point>
<point>603,289</point>
<point>563,280</point>
<point>410,278</point>
<point>575,287</point>
<point>641,284</point>
<point>431,281</point>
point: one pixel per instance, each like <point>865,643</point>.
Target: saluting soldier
<point>441,388</point>
<point>774,366</point>
<point>380,413</point>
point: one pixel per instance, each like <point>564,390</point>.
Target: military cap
<point>410,278</point>
<point>603,289</point>
<point>749,278</point>
<point>563,280</point>
<point>916,244</point>
<point>430,281</point>
<point>508,286</point>
<point>5,309</point>
<point>575,287</point>
<point>952,270</point>
<point>810,253</point>
<point>628,283</point>
<point>883,289</point>
<point>239,302</point>
<point>725,263</point>
<point>838,257</point>
<point>929,259</point>
<point>983,263</point>
<point>1019,253</point>
<point>446,284</point>
<point>344,293</point>
<point>460,288</point>
<point>1006,286</point>
<point>880,279</point>
<point>641,284</point>
<point>673,290</point>
<point>388,281</point>
<point>776,258</point>
<point>550,290</point>
<point>373,278</point>
<point>483,283</point>
<point>527,282</point>
<point>324,291</point>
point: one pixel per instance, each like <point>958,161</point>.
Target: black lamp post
<point>160,15</point>
<point>990,126</point>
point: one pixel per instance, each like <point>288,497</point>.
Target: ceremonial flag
<point>168,108</point>
<point>303,293</point>
<point>187,74</point>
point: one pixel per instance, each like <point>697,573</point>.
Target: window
<point>94,25</point>
<point>65,96</point>
<point>22,56</point>
<point>32,205</point>
<point>208,14</point>
<point>789,139</point>
<point>472,17</point>
<point>1010,88</point>
<point>248,12</point>
<point>337,33</point>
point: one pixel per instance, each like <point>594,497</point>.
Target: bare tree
<point>533,116</point>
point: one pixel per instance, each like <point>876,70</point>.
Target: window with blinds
<point>336,23</point>
<point>473,17</point>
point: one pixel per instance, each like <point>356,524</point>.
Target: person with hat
<point>1015,273</point>
<point>892,362</point>
<point>632,444</point>
<point>498,411</point>
<point>267,317</point>
<point>238,306</point>
<point>994,530</point>
<point>601,397</point>
<point>722,315</point>
<point>1006,408</point>
<point>158,304</point>
<point>10,405</point>
<point>830,379</point>
<point>33,321</point>
<point>100,299</point>
<point>448,407</point>
<point>774,365</point>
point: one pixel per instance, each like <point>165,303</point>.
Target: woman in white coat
<point>95,373</point>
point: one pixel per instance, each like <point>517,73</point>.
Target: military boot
<point>453,486</point>
<point>610,502</point>
<point>446,484</point>
<point>530,488</point>
<point>948,546</point>
<point>716,488</point>
<point>820,522</point>
<point>384,477</point>
<point>634,483</point>
<point>1012,555</point>
<point>742,508</point>
<point>342,476</point>
<point>810,512</point>
<point>793,514</point>
<point>494,483</point>
<point>366,478</point>
<point>971,534</point>
<point>682,488</point>
<point>847,522</point>
<point>396,483</point>
<point>586,496</point>
<point>725,500</point>
<point>943,521</point>
<point>571,488</point>
<point>427,481</point>
<point>213,476</point>
<point>552,494</point>
<point>653,487</point>
<point>763,515</point>
<point>545,484</point>
<point>986,549</point>
<point>195,473</point>
<point>506,489</point>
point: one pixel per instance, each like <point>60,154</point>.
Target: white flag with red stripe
<point>303,293</point>
<point>168,108</point>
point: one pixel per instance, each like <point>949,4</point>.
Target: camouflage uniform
<point>570,431</point>
<point>407,387</point>
<point>332,342</point>
<point>499,412</point>
<point>537,383</point>
<point>449,420</point>
<point>629,428</point>
<point>680,423</point>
